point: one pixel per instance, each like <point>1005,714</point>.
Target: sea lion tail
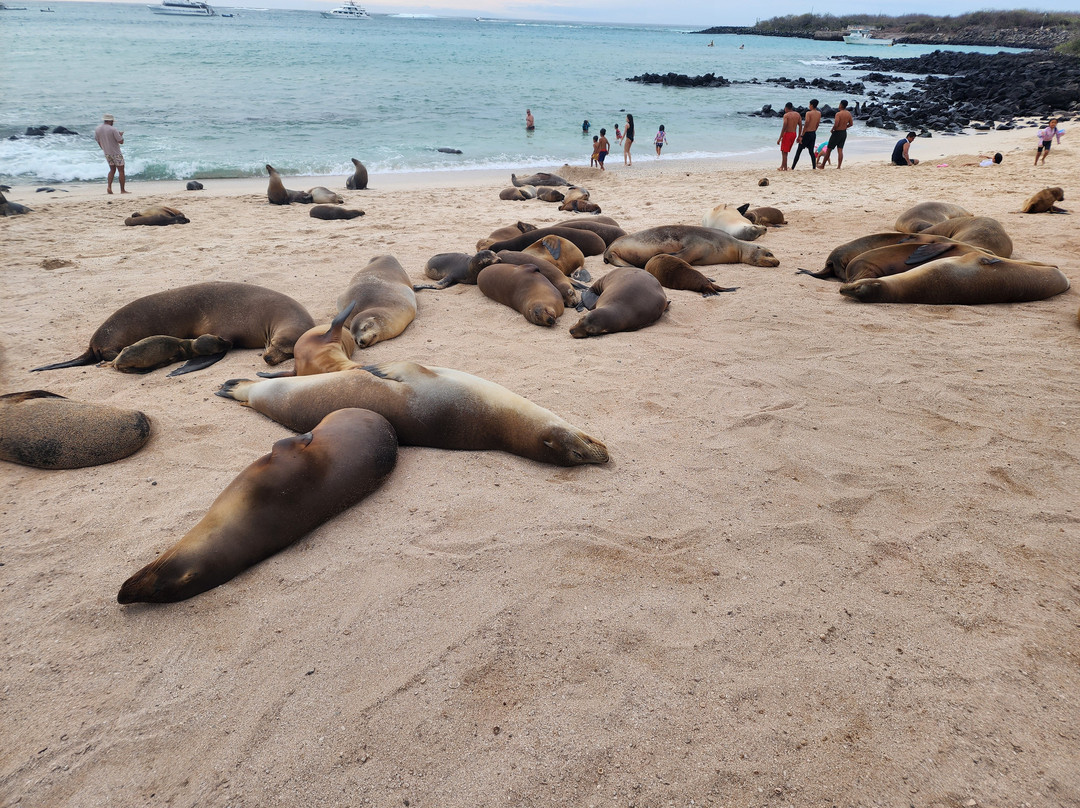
<point>443,284</point>
<point>236,389</point>
<point>714,290</point>
<point>87,358</point>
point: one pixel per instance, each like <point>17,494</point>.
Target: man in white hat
<point>110,138</point>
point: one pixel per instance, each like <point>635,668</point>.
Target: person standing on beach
<point>790,128</point>
<point>602,149</point>
<point>808,139</point>
<point>595,159</point>
<point>628,140</point>
<point>842,121</point>
<point>1046,137</point>
<point>530,124</point>
<point>660,140</point>
<point>618,134</point>
<point>900,156</point>
<point>110,138</point>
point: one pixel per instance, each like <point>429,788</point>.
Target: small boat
<point>861,36</point>
<point>349,11</point>
<point>184,8</point>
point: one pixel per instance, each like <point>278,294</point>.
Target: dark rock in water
<point>682,80</point>
<point>36,131</point>
<point>194,185</point>
<point>875,121</point>
<point>445,150</point>
<point>63,130</point>
<point>1005,127</point>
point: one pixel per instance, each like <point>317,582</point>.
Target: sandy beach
<point>833,559</point>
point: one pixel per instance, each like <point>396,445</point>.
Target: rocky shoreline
<point>1038,39</point>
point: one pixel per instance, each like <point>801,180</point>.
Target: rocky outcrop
<point>681,80</point>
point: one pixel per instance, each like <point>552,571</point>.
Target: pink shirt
<point>108,138</point>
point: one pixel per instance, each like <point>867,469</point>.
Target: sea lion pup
<point>246,315</point>
<point>384,298</point>
<point>278,194</point>
<point>160,350</point>
<point>837,262</point>
<point>695,245</point>
<point>555,275</point>
<point>47,431</point>
<point>523,288</point>
<point>541,178</point>
<point>277,500</point>
<point>628,299</point>
<point>603,226</point>
<point>503,233</point>
<point>324,196</point>
<point>8,208</point>
<point>730,220</point>
<point>968,280</point>
<point>427,406</point>
<point>358,180</point>
<point>562,253</point>
<point>332,212</point>
<point>575,192</point>
<point>588,242</point>
<point>926,214</point>
<point>675,273</point>
<point>322,349</point>
<point>450,268</point>
<point>1043,201</point>
<point>580,206</point>
<point>770,217</point>
<point>194,185</point>
<point>157,215</point>
<point>545,194</point>
<point>518,194</point>
<point>979,231</point>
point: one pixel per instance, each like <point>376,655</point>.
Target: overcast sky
<point>688,13</point>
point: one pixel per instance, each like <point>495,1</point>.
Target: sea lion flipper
<point>927,252</point>
<point>16,398</point>
<point>281,374</point>
<point>825,273</point>
<point>588,299</point>
<point>580,274</point>
<point>445,283</point>
<point>88,358</point>
<point>714,290</point>
<point>199,362</point>
<point>743,208</point>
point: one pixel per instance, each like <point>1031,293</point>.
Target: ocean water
<point>221,97</point>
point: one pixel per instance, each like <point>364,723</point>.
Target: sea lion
<point>763,182</point>
<point>695,245</point>
<point>837,262</point>
<point>332,212</point>
<point>246,315</point>
<point>555,275</point>
<point>324,196</point>
<point>588,242</point>
<point>523,288</point>
<point>47,431</point>
<point>503,233</point>
<point>194,185</point>
<point>770,217</point>
<point>560,252</point>
<point>277,500</point>
<point>979,231</point>
<point>8,208</point>
<point>157,215</point>
<point>322,349</point>
<point>549,195</point>
<point>450,268</point>
<point>427,406</point>
<point>541,178</point>
<point>926,214</point>
<point>160,350</point>
<point>579,206</point>
<point>1043,201</point>
<point>730,220</point>
<point>358,180</point>
<point>968,280</point>
<point>518,194</point>
<point>603,226</point>
<point>675,273</point>
<point>278,194</point>
<point>884,261</point>
<point>384,298</point>
<point>628,299</point>
<point>576,192</point>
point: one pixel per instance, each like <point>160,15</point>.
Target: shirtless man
<point>789,129</point>
<point>602,148</point>
<point>808,140</point>
<point>530,124</point>
<point>842,121</point>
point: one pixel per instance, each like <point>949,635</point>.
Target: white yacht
<point>861,36</point>
<point>349,11</point>
<point>184,8</point>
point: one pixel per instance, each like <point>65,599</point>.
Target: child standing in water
<point>660,140</point>
<point>618,134</point>
<point>594,161</point>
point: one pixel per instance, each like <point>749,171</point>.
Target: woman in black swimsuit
<point>628,140</point>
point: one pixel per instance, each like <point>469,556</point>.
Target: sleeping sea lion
<point>523,288</point>
<point>541,178</point>
<point>627,299</point>
<point>549,195</point>
<point>324,196</point>
<point>926,214</point>
<point>837,262</point>
<point>322,349</point>
<point>518,194</point>
<point>770,217</point>
<point>1043,201</point>
<point>675,273</point>
<point>384,298</point>
<point>157,215</point>
<point>588,242</point>
<point>603,226</point>
<point>503,233</point>
<point>731,220</point>
<point>358,180</point>
<point>278,194</point>
<point>695,245</point>
<point>451,268</point>
<point>333,212</point>
<point>549,270</point>
<point>277,500</point>
<point>884,261</point>
<point>160,350</point>
<point>979,231</point>
<point>579,206</point>
<point>560,252</point>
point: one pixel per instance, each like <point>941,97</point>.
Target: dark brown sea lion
<point>518,194</point>
<point>603,226</point>
<point>541,178</point>
<point>358,180</point>
<point>278,194</point>
<point>555,275</point>
<point>47,431</point>
<point>503,233</point>
<point>384,298</point>
<point>322,349</point>
<point>8,208</point>
<point>428,406</point>
<point>837,262</point>
<point>579,206</point>
<point>628,299</point>
<point>675,273</point>
<point>246,315</point>
<point>1043,201</point>
<point>588,242</point>
<point>770,217</point>
<point>277,500</point>
<point>979,231</point>
<point>160,350</point>
<point>450,268</point>
<point>560,252</point>
<point>523,288</point>
<point>926,214</point>
<point>333,212</point>
<point>158,215</point>
<point>695,245</point>
<point>969,280</point>
<point>549,195</point>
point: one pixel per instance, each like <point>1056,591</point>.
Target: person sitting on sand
<point>900,156</point>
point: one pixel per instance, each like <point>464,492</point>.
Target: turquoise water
<point>220,97</point>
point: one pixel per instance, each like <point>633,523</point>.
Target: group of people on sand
<point>601,145</point>
<point>794,127</point>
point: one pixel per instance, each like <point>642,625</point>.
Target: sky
<point>695,14</point>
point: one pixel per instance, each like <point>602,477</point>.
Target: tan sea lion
<point>157,215</point>
<point>1043,201</point>
<point>560,252</point>
<point>523,288</point>
<point>628,299</point>
<point>979,231</point>
<point>518,194</point>
<point>549,195</point>
<point>541,178</point>
<point>675,273</point>
<point>322,349</point>
<point>358,180</point>
<point>333,212</point>
<point>47,431</point>
<point>588,242</point>
<point>884,261</point>
<point>278,194</point>
<point>277,500</point>
<point>926,214</point>
<point>160,350</point>
<point>603,226</point>
<point>837,262</point>
<point>695,245</point>
<point>969,280</point>
<point>575,193</point>
<point>730,220</point>
<point>549,270</point>
<point>428,406</point>
<point>503,233</point>
<point>246,315</point>
<point>324,196</point>
<point>770,217</point>
<point>384,298</point>
<point>579,206</point>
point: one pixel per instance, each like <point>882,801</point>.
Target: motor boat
<point>184,8</point>
<point>349,11</point>
<point>861,36</point>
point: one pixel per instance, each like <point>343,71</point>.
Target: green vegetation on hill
<point>924,23</point>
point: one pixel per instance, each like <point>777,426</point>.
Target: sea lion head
<point>867,290</point>
<point>541,314</point>
<point>482,259</point>
<point>563,445</point>
<point>762,257</point>
<point>209,344</point>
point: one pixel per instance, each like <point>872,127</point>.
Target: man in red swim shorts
<point>789,130</point>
